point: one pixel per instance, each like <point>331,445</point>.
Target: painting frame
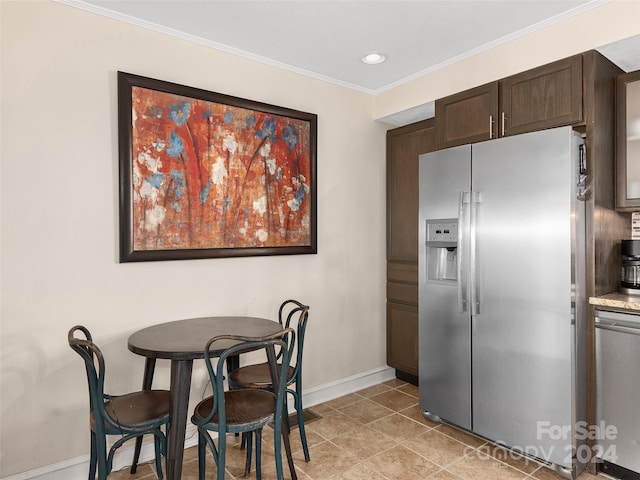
<point>206,221</point>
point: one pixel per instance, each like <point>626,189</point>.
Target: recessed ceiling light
<point>373,58</point>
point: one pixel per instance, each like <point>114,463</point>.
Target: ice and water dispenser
<point>442,250</point>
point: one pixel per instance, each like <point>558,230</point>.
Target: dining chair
<point>244,411</point>
<point>291,312</point>
<point>128,416</point>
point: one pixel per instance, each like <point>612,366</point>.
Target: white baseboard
<point>344,386</point>
<point>77,468</point>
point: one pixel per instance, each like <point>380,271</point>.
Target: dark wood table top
<point>186,339</point>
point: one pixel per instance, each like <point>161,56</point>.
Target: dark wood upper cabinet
<point>468,116</point>
<point>628,141</point>
<point>543,97</point>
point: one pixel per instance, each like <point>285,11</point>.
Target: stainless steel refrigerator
<point>501,293</point>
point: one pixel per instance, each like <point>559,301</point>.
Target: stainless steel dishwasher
<point>618,393</point>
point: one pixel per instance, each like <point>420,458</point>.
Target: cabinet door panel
<point>402,292</point>
<point>402,337</point>
<point>402,272</point>
<point>544,97</point>
<point>404,145</point>
<point>468,116</point>
<point>628,141</point>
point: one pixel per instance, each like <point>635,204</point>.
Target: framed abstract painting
<point>204,175</point>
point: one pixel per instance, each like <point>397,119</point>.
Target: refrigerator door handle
<point>474,199</point>
<point>462,277</point>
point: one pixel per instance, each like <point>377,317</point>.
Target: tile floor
<point>378,433</point>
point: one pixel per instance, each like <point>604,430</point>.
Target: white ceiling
<point>326,38</point>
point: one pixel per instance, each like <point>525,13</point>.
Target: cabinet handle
<point>490,127</point>
<point>503,121</point>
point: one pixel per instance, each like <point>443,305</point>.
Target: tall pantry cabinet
<point>404,145</point>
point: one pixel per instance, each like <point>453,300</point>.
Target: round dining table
<point>183,341</point>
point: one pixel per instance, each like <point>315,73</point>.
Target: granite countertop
<point>617,300</point>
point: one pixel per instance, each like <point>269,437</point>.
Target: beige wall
<point>60,217</point>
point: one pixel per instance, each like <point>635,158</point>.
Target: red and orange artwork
<point>211,175</point>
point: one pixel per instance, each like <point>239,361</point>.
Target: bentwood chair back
<point>291,313</point>
<point>126,416</point>
<point>244,411</point>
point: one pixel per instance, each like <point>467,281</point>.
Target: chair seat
<point>255,376</point>
<point>138,410</point>
<point>243,407</point>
